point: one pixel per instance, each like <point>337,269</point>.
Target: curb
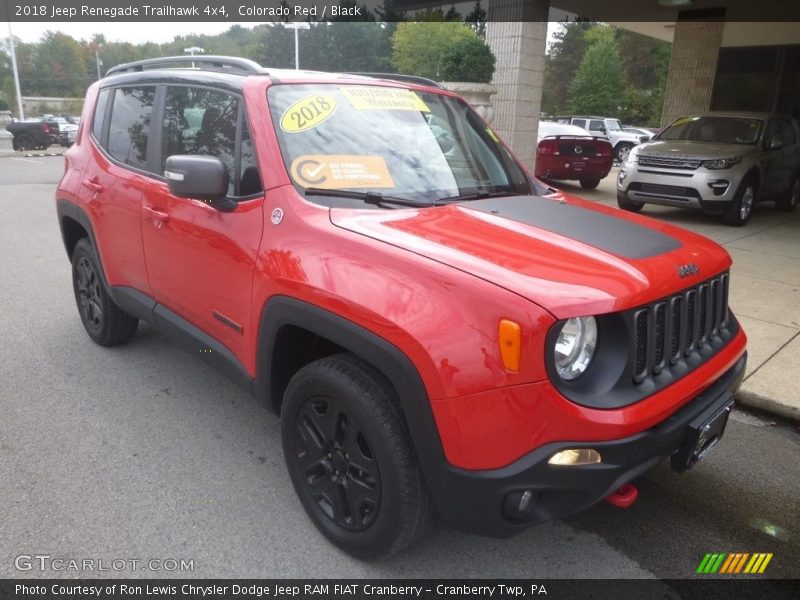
<point>768,405</point>
<point>31,154</point>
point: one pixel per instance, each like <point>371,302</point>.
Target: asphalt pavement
<point>142,452</point>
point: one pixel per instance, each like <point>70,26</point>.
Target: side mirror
<point>603,130</point>
<point>775,143</point>
<point>201,177</point>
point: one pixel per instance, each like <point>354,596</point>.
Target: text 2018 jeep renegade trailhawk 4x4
<point>441,334</point>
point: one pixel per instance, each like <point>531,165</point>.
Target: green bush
<point>467,59</point>
<point>4,105</point>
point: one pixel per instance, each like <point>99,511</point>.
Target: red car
<point>571,152</point>
<point>440,333</point>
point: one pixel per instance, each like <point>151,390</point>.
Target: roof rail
<point>401,77</point>
<point>225,64</point>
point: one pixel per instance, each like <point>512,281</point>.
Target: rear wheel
<point>350,459</point>
<point>792,199</point>
<point>104,321</point>
<point>738,213</point>
<point>590,184</point>
<point>24,142</point>
<point>629,205</point>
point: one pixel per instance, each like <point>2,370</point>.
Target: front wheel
<point>741,208</point>
<point>629,205</point>
<point>590,184</point>
<point>350,459</point>
<point>622,151</point>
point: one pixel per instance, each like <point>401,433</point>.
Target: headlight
<point>721,163</point>
<point>575,347</point>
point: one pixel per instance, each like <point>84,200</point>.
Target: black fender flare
<point>67,208</point>
<point>393,363</point>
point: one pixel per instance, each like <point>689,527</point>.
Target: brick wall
<point>692,66</point>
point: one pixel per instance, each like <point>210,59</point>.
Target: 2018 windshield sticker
<point>308,112</point>
<point>377,98</point>
<point>341,171</point>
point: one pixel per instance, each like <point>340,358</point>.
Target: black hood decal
<point>590,227</point>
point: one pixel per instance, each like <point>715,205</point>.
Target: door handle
<point>156,216</point>
<point>92,185</point>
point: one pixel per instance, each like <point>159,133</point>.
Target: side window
<point>100,113</point>
<point>201,121</point>
<point>579,122</point>
<point>249,179</point>
<point>130,125</point>
<point>595,125</point>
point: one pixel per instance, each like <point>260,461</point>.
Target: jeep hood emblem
<point>688,269</point>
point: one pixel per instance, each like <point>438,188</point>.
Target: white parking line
<point>36,162</point>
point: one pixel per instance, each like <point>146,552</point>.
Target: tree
<point>61,66</point>
<point>418,47</point>
<point>476,18</point>
<point>600,81</point>
<point>564,57</point>
<point>468,59</point>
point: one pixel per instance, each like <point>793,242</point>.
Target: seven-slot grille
<point>677,327</point>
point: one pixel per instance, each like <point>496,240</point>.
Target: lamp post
<point>193,50</point>
<point>297,27</point>
<point>13,52</point>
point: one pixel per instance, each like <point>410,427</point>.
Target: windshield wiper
<point>373,198</point>
<point>477,196</point>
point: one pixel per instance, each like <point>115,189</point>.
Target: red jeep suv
<point>440,333</point>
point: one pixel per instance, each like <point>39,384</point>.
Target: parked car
<point>67,130</point>
<point>33,134</point>
<point>644,134</point>
<point>622,141</point>
<point>719,162</point>
<point>441,334</point>
<point>570,152</point>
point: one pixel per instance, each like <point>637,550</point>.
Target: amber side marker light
<point>510,340</point>
<point>574,457</point>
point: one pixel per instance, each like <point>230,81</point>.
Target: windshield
<point>722,130</point>
<point>392,141</point>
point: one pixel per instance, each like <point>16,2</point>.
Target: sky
<point>132,32</point>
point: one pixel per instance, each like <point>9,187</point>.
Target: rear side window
<point>130,125</point>
<point>100,113</point>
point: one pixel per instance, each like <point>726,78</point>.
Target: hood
<point>698,150</point>
<point>569,256</point>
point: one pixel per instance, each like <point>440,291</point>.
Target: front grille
<point>680,327</point>
<point>669,162</point>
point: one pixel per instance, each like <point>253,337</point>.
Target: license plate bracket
<point>702,435</point>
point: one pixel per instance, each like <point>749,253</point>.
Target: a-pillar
<point>516,32</point>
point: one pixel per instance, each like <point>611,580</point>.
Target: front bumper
<point>709,190</point>
<point>485,502</point>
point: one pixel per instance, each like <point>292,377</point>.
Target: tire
<point>738,213</point>
<point>341,427</point>
<point>792,198</point>
<point>25,142</point>
<point>629,205</point>
<point>621,152</point>
<point>590,184</point>
<point>105,322</point>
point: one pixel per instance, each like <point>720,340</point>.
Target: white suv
<point>622,141</point>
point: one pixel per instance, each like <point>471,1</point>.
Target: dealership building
<point>721,58</point>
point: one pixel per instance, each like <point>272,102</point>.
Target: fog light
<point>719,186</point>
<point>575,456</point>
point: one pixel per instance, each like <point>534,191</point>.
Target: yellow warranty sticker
<point>341,171</point>
<point>493,135</point>
<point>308,112</point>
<point>378,98</point>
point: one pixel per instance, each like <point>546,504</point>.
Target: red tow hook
<point>624,496</point>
